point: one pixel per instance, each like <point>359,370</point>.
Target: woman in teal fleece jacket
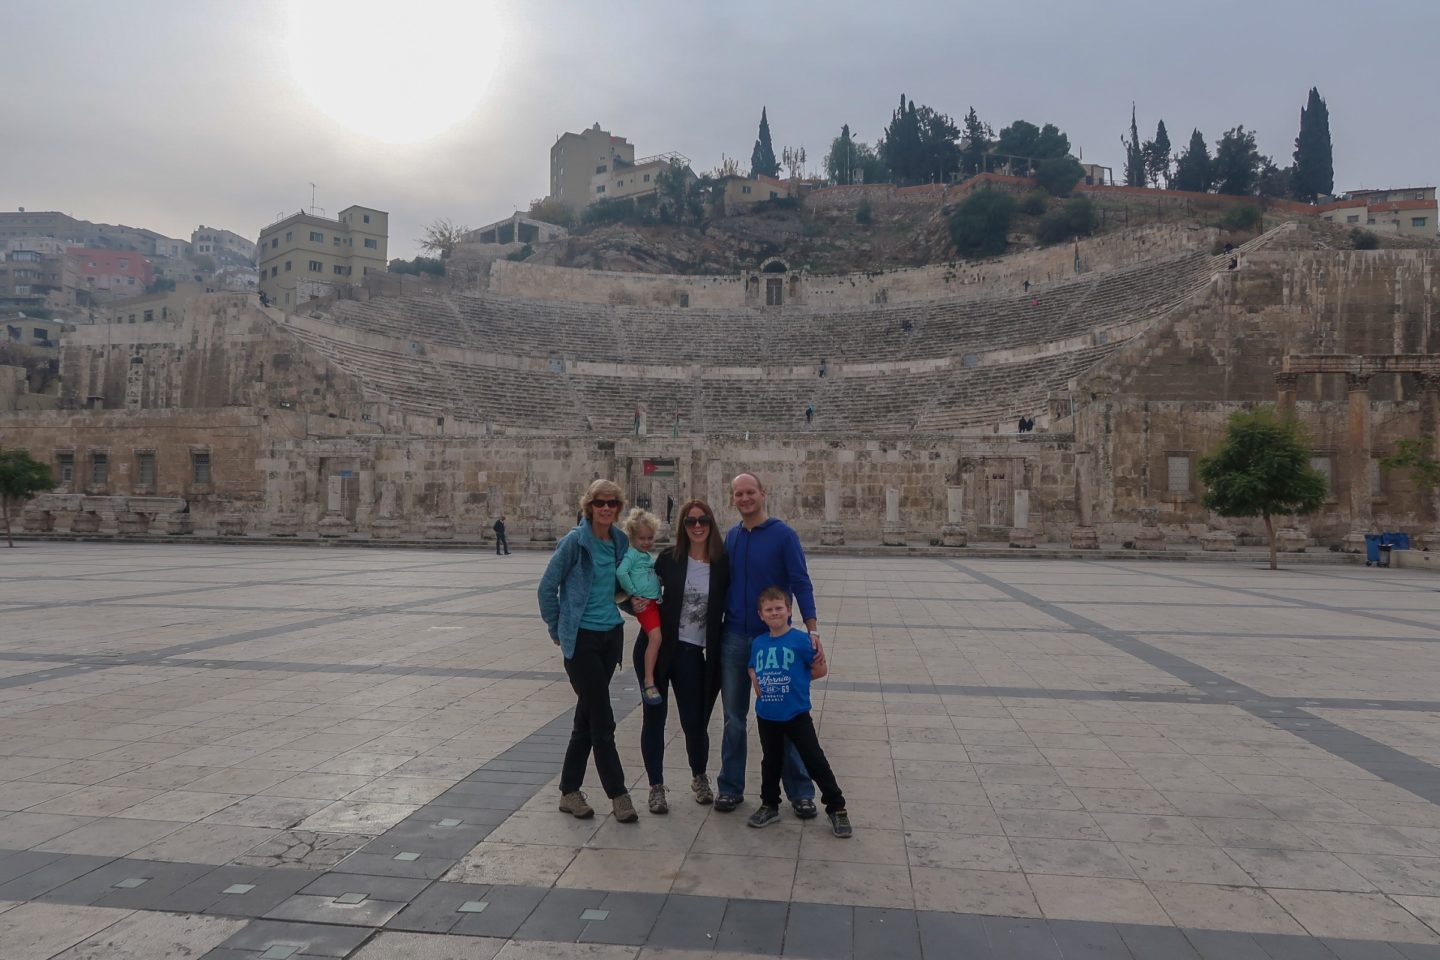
<point>577,603</point>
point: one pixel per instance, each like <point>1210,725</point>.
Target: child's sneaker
<point>658,803</point>
<point>652,696</point>
<point>840,825</point>
<point>764,816</point>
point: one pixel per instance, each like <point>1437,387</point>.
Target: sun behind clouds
<point>396,74</point>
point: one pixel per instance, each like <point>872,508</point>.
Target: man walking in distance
<point>500,542</point>
<point>764,552</point>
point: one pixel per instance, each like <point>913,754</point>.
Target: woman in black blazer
<point>694,578</point>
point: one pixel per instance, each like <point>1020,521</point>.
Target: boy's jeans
<point>735,699</point>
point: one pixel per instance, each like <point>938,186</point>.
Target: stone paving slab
<point>1044,758</point>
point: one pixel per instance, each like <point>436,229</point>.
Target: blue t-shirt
<point>600,611</point>
<point>782,669</point>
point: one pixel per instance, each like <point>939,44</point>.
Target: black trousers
<point>597,655</point>
<point>686,678</point>
<point>799,730</point>
<point>500,541</point>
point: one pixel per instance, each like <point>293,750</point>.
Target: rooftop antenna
<point>313,208</point>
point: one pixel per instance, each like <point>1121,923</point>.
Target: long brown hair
<point>714,544</point>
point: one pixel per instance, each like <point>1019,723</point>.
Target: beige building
<point>1405,211</point>
<point>214,242</point>
<point>742,192</point>
<point>577,158</point>
<point>303,256</point>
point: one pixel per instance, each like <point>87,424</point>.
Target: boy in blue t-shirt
<point>782,664</point>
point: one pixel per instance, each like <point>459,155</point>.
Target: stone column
<point>1020,535</point>
<point>832,531</point>
<point>1084,537</point>
<point>1285,385</point>
<point>1149,537</point>
<point>1358,387</point>
<point>952,534</point>
<point>542,525</point>
<point>386,526</point>
<point>892,532</point>
<point>334,524</point>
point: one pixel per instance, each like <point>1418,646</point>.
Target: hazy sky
<point>170,113</point>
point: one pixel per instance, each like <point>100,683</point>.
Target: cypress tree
<point>1314,156</point>
<point>1157,156</point>
<point>1192,168</point>
<point>1135,173</point>
<point>762,158</point>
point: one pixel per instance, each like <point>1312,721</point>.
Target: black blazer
<point>672,586</point>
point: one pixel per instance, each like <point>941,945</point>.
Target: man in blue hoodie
<point>764,552</point>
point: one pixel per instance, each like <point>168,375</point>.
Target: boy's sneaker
<point>624,809</point>
<point>840,825</point>
<point>652,696</point>
<point>726,802</point>
<point>574,804</point>
<point>703,794</point>
<point>658,803</point>
<point>764,816</point>
<point>805,809</point>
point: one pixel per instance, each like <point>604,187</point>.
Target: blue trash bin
<point>1372,548</point>
<point>1397,540</point>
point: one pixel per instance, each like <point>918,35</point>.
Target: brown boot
<point>574,804</point>
<point>625,809</point>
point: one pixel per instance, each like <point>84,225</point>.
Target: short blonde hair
<point>640,518</point>
<point>606,489</point>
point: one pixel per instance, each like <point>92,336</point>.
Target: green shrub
<point>521,254</point>
<point>1075,219</point>
<point>1244,216</point>
<point>1034,203</point>
<point>1363,239</point>
<point>1058,175</point>
<point>980,225</point>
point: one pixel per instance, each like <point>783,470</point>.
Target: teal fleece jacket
<point>565,585</point>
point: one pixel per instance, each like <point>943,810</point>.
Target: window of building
<point>316,266</point>
<point>1353,218</point>
<point>200,468</point>
<point>619,183</point>
<point>601,168</point>
<point>99,469</point>
<point>65,468</point>
<point>129,281</point>
<point>288,235</point>
<point>684,299</point>
<point>367,218</point>
<point>647,178</point>
<point>370,243</point>
<point>774,292</point>
<point>123,264</point>
<point>744,189</point>
<point>149,315</point>
<point>1370,221</point>
<point>274,242</point>
<point>337,241</point>
<point>22,290</point>
<point>1417,221</point>
<point>145,470</point>
<point>774,195</point>
<point>287,266</point>
<point>1177,473</point>
<point>600,189</point>
<point>317,237</point>
<point>274,271</point>
<point>339,270</point>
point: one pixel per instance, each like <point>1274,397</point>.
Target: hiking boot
<point>840,825</point>
<point>574,804</point>
<point>764,816</point>
<point>703,794</point>
<point>805,809</point>
<point>658,803</point>
<point>726,802</point>
<point>624,809</point>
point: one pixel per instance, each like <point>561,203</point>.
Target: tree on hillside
<point>1314,156</point>
<point>1192,168</point>
<point>1237,163</point>
<point>729,167</point>
<point>793,160</point>
<point>975,141</point>
<point>1275,182</point>
<point>840,161</point>
<point>553,211</point>
<point>980,225</point>
<point>442,236</point>
<point>1075,219</point>
<point>1057,176</point>
<point>1262,469</point>
<point>679,195</point>
<point>920,145</point>
<point>1031,143</point>
<point>21,477</point>
<point>762,158</point>
<point>1157,156</point>
<point>1136,173</point>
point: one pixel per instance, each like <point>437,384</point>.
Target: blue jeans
<point>735,699</point>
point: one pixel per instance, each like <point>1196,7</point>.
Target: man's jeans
<point>735,699</point>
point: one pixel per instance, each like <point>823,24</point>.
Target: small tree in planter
<point>21,477</point>
<point>1262,469</point>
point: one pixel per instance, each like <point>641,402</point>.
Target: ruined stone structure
<point>428,414</point>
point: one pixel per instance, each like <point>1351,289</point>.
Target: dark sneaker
<point>658,803</point>
<point>726,802</point>
<point>805,809</point>
<point>703,794</point>
<point>840,825</point>
<point>575,805</point>
<point>763,816</point>
<point>625,809</point>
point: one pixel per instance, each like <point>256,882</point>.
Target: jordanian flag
<point>659,468</point>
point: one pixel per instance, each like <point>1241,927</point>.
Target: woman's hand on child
<point>639,603</point>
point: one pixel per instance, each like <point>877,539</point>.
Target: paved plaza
<point>275,752</point>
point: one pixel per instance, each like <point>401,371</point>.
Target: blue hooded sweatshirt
<point>767,556</point>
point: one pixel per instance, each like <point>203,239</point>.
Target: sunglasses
<point>701,521</point>
<point>612,504</point>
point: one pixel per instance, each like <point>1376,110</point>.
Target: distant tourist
<point>577,603</point>
<point>824,367</point>
<point>809,412</point>
<point>1234,262</point>
<point>694,579</point>
<point>500,541</point>
<point>1027,286</point>
<point>782,664</point>
<point>1229,246</point>
<point>636,575</point>
<point>764,552</point>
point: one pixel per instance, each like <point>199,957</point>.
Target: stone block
<point>1023,539</point>
<point>1218,541</point>
<point>284,525</point>
<point>1354,542</point>
<point>1084,538</point>
<point>953,535</point>
<point>386,528</point>
<point>231,525</point>
<point>179,524</point>
<point>1291,540</point>
<point>542,529</point>
<point>440,528</point>
<point>1149,538</point>
<point>86,521</point>
<point>333,526</point>
<point>832,534</point>
<point>133,524</point>
<point>37,521</point>
<point>892,534</point>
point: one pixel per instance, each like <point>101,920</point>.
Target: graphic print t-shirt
<point>782,669</point>
<point>696,602</point>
